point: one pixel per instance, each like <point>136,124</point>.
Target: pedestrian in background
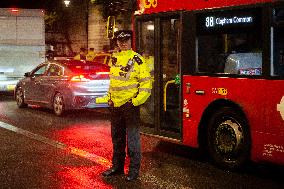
<point>81,55</point>
<point>91,54</point>
<point>50,55</point>
<point>130,86</point>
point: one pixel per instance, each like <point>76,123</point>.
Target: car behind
<point>63,85</point>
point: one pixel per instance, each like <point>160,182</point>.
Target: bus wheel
<point>58,104</point>
<point>228,139</point>
<point>20,99</point>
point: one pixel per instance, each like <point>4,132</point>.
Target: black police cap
<point>123,34</point>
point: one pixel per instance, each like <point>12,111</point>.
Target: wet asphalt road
<point>40,150</point>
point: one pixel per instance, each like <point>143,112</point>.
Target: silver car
<point>63,85</point>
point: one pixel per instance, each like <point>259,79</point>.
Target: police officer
<point>91,54</point>
<point>81,55</point>
<point>130,86</point>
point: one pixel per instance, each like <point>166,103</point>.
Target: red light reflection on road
<point>100,160</point>
<point>82,178</point>
<point>93,142</point>
<point>93,138</point>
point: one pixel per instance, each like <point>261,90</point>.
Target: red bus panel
<point>262,102</point>
<point>155,6</point>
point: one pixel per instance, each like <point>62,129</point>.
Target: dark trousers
<point>125,126</point>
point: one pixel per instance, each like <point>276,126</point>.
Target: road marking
<point>72,150</point>
<point>148,177</point>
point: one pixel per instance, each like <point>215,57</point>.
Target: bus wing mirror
<point>110,27</point>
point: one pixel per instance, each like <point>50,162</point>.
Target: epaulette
<point>137,59</point>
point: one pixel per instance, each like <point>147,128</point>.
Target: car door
<point>33,92</point>
<point>52,80</point>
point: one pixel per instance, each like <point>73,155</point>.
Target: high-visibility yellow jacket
<point>77,57</point>
<point>90,56</point>
<point>128,82</point>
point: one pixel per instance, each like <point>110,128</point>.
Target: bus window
<point>231,47</point>
<point>230,53</point>
<point>169,47</point>
<point>147,44</point>
<point>169,36</point>
<point>146,48</point>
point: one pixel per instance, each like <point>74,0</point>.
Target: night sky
<point>25,3</point>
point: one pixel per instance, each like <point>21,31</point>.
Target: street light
<point>67,3</point>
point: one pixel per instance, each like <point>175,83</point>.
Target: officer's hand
<point>130,102</point>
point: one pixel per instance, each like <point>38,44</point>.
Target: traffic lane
<point>44,121</point>
<point>163,166</point>
<point>27,163</point>
<point>85,129</point>
<point>76,176</point>
<point>32,164</point>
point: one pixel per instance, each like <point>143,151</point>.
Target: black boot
<point>113,171</point>
<point>131,176</point>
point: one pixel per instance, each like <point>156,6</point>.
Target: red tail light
<point>14,10</point>
<point>79,78</point>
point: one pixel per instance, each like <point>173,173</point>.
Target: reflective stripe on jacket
<point>128,80</point>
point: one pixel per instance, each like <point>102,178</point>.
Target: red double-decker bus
<point>218,76</point>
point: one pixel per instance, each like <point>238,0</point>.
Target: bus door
<point>274,105</point>
<point>170,75</point>
<point>159,43</point>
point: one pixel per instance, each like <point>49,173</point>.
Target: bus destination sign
<point>213,21</point>
<point>228,21</point>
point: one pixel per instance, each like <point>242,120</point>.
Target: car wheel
<point>228,139</point>
<point>20,99</point>
<point>58,104</point>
